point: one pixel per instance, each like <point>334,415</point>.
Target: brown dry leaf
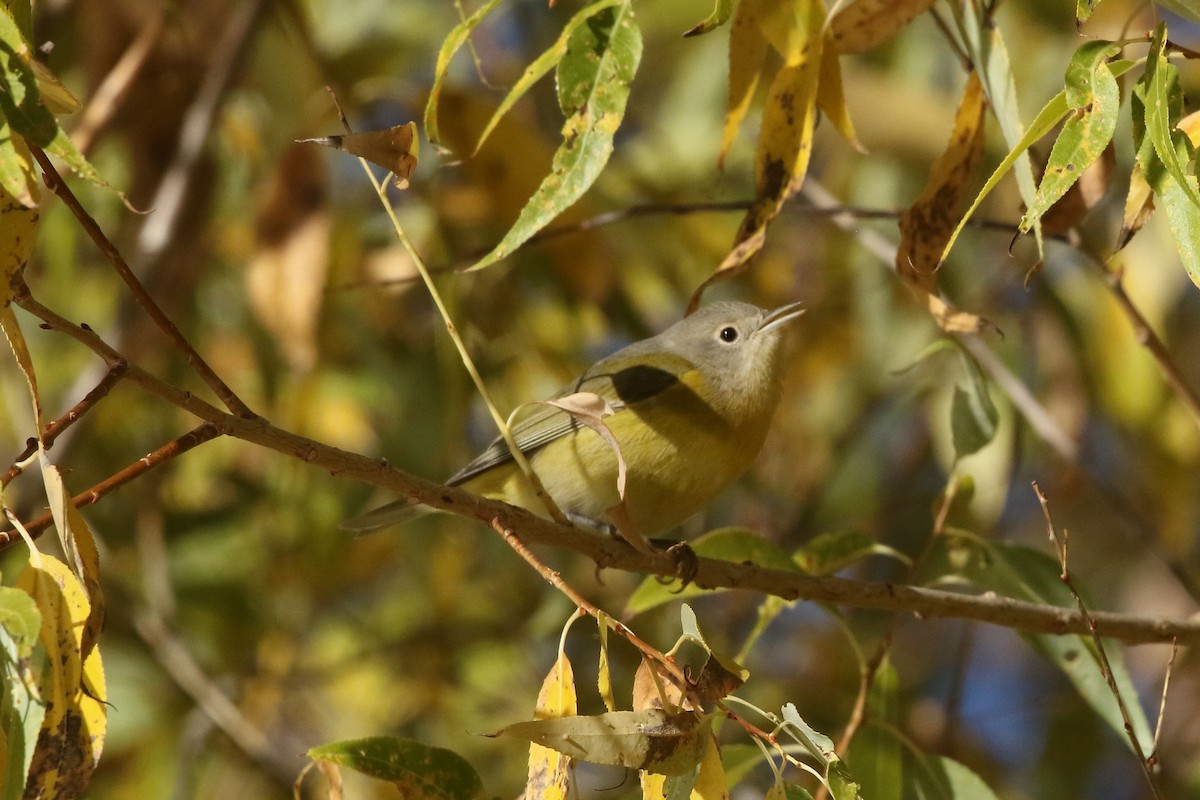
<point>716,681</point>
<point>866,23</point>
<point>653,687</point>
<point>394,149</point>
<point>927,226</point>
<point>1092,185</point>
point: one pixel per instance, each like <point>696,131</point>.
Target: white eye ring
<point>728,334</point>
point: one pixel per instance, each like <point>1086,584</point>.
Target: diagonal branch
<point>57,185</point>
<point>614,553</point>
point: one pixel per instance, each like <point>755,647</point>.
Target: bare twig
<point>1162,704</point>
<point>555,579</point>
<point>59,425</point>
<point>57,185</point>
<point>1060,542</point>
<point>168,451</point>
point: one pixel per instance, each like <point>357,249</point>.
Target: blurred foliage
<point>277,263</point>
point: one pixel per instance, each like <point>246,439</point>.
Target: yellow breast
<point>679,454</point>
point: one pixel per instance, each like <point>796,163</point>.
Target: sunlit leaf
<point>928,224</point>
<point>21,709</point>
<point>594,76</point>
<point>450,45</point>
<point>79,546</point>
<point>864,24</point>
<point>22,107</point>
<point>419,771</point>
<point>989,54</point>
<point>1188,9</point>
<point>1162,102</point>
<point>942,778</point>
<point>73,730</point>
<point>542,65</point>
<point>651,739</point>
<point>1094,99</point>
<point>747,58</point>
<point>550,771</point>
<point>711,783</point>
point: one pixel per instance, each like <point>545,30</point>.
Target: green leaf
<point>818,745</point>
<point>1188,9</point>
<point>721,13</point>
<point>875,753</point>
<point>540,66</point>
<point>21,710</point>
<point>1162,103</point>
<point>831,552</point>
<point>1084,9</point>
<point>457,37</point>
<point>988,52</point>
<point>1183,218</point>
<point>20,618</point>
<point>22,110</point>
<point>1093,96</point>
<point>419,771</point>
<point>593,86</point>
<point>941,778</point>
<point>973,417</point>
<point>1028,574</point>
<point>738,545</point>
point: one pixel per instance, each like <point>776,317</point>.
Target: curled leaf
<point>394,149</point>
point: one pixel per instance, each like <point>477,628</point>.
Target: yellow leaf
<point>711,783</point>
<point>73,730</point>
<point>831,99</point>
<point>747,57</point>
<point>549,770</point>
<point>79,545</point>
<point>785,143</point>
<point>863,24</point>
<point>927,226</point>
<point>18,222</point>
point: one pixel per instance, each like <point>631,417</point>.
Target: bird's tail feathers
<point>395,513</point>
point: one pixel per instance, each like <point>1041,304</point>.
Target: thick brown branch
<point>57,185</point>
<point>610,552</point>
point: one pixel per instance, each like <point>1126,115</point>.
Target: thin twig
<point>173,449</point>
<point>55,428</point>
<point>1060,544</point>
<point>1162,704</point>
<point>555,579</point>
<point>608,551</point>
<point>57,185</point>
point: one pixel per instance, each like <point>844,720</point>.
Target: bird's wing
<point>621,379</point>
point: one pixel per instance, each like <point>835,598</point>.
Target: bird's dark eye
<point>728,334</point>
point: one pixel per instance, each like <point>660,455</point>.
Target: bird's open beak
<point>780,316</point>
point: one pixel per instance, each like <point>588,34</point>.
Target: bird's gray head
<point>736,348</point>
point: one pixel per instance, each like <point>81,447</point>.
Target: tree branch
<point>611,552</point>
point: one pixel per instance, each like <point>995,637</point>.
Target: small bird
<point>691,406</point>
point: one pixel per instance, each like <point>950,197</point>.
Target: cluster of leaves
<point>53,715</point>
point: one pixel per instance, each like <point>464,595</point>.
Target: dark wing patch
<point>641,382</point>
